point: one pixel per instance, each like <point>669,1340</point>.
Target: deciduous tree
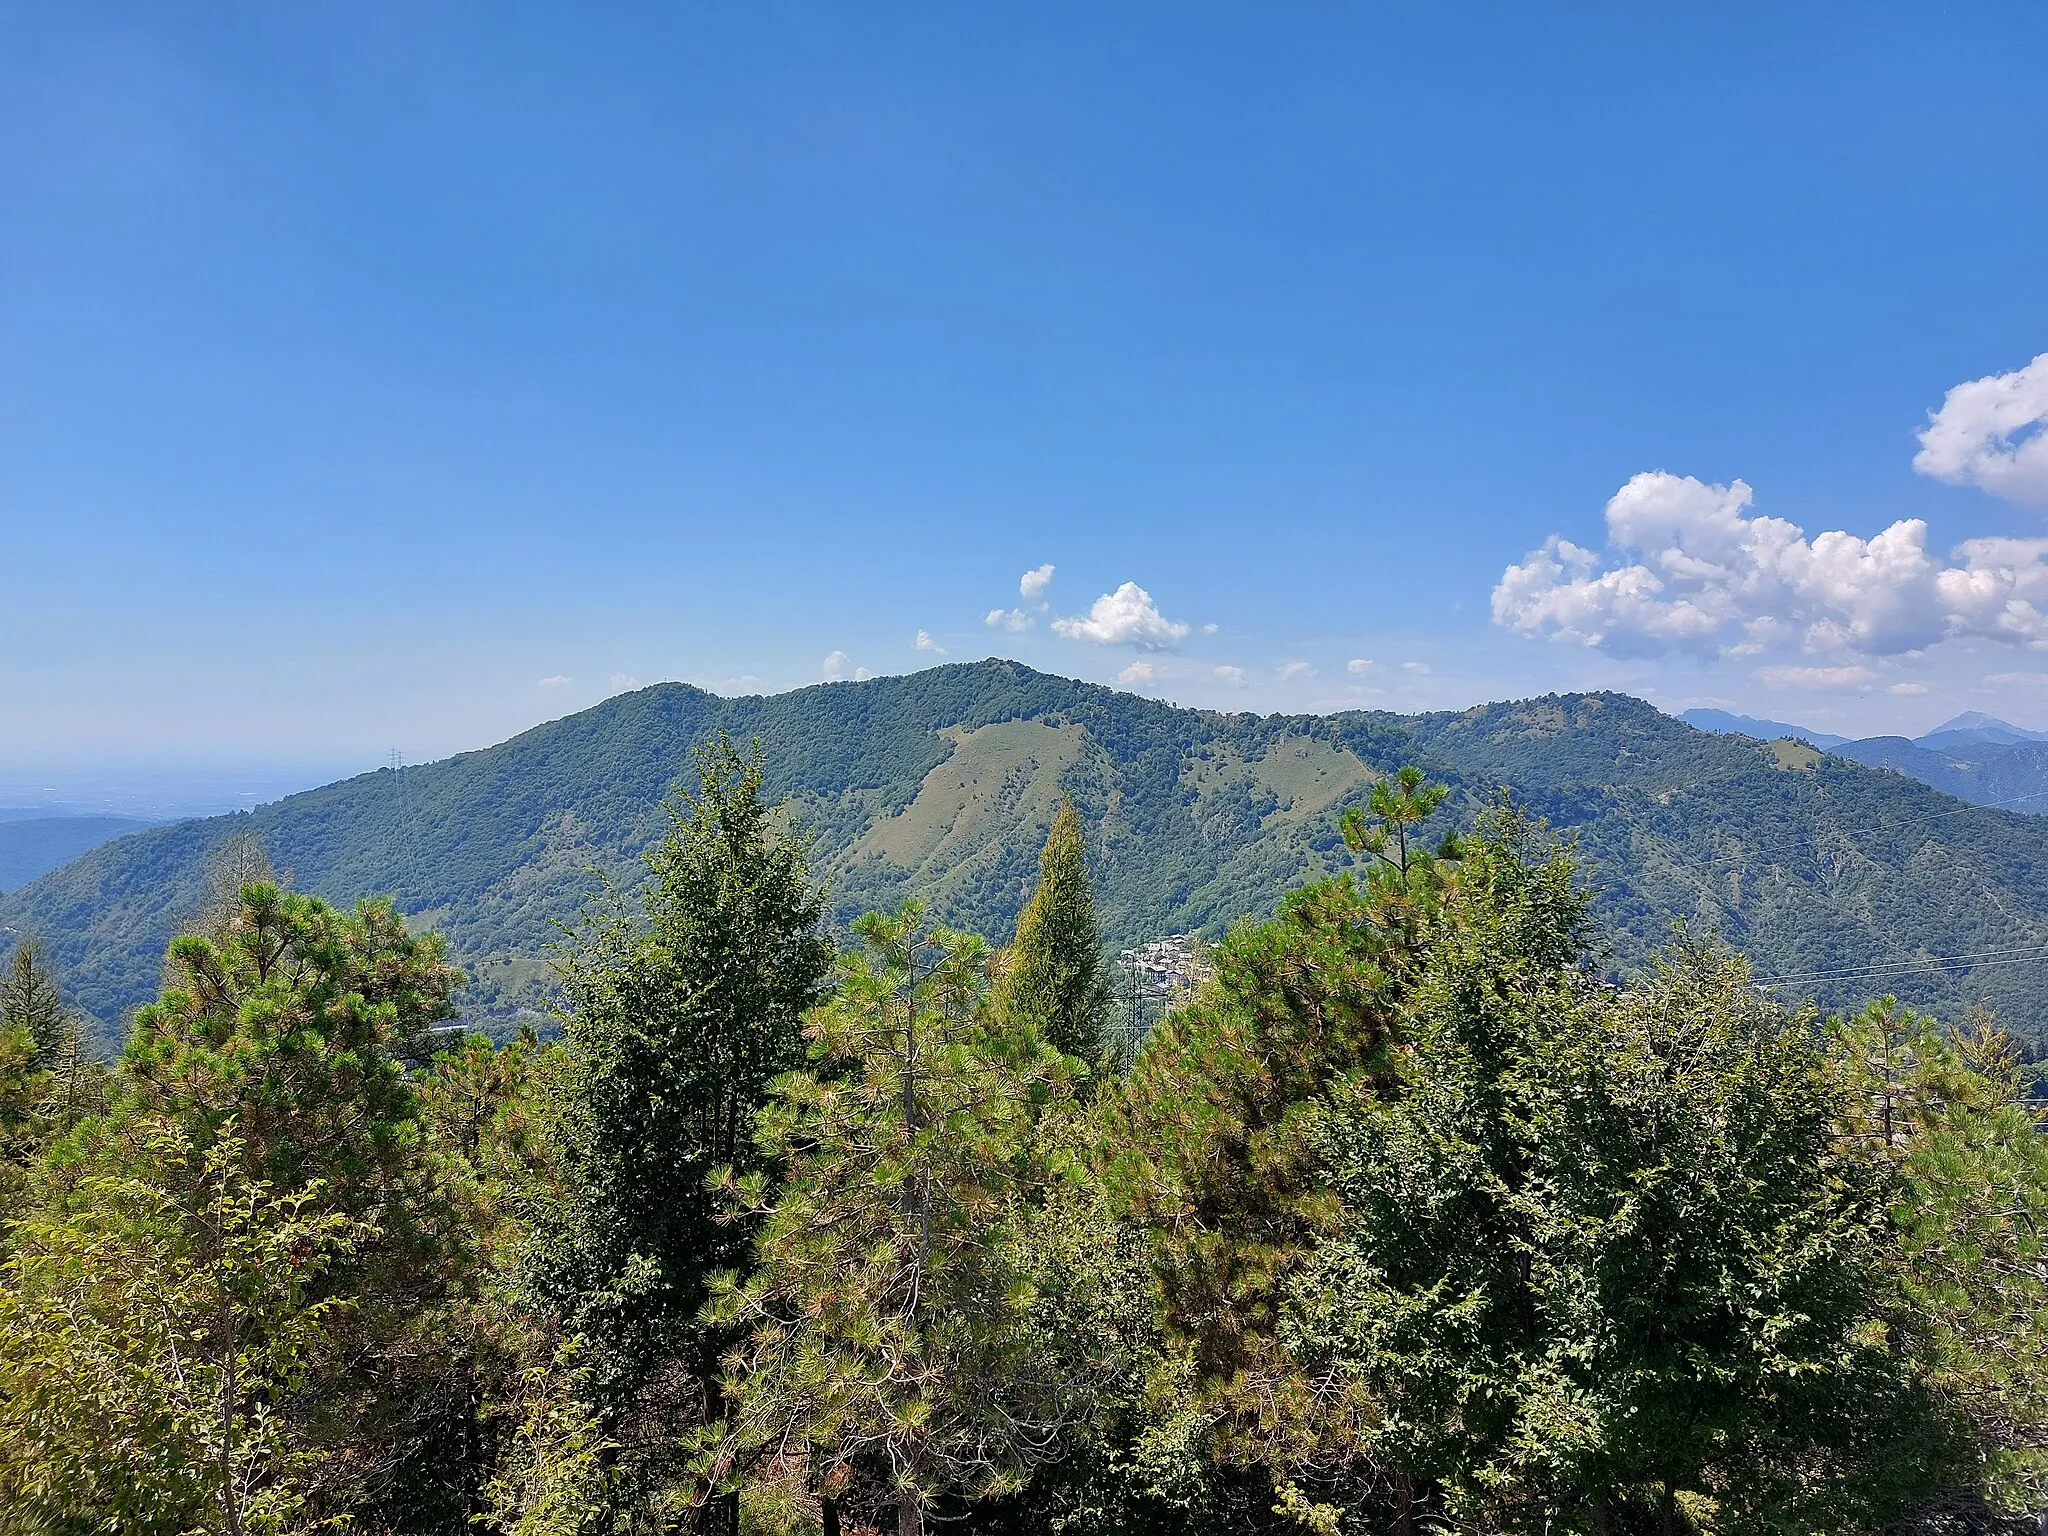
<point>1602,1262</point>
<point>154,1328</point>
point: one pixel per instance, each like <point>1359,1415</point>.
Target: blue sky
<point>384,377</point>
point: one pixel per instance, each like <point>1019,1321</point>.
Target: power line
<point>2018,954</point>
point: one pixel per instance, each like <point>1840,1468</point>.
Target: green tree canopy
<point>682,1009</point>
<point>1603,1261</point>
<point>1946,1113</point>
<point>292,1018</point>
<point>154,1332</point>
<point>890,1324</point>
<point>292,1021</point>
<point>1207,1144</point>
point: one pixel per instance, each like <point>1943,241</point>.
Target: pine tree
<point>1052,977</point>
<point>682,1009</point>
<point>891,1328</point>
<point>293,1018</point>
<point>1209,1145</point>
<point>29,1001</point>
<point>291,1021</point>
<point>1946,1113</point>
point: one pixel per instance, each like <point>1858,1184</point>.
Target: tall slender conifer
<point>1052,977</point>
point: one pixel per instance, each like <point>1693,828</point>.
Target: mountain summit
<point>1975,728</point>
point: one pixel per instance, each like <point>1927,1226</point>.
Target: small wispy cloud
<point>1909,690</point>
<point>1031,588</point>
<point>1360,666</point>
<point>1235,676</point>
<point>1418,668</point>
<point>554,682</point>
<point>622,682</point>
<point>924,642</point>
<point>1816,677</point>
<point>1289,671</point>
<point>1137,672</point>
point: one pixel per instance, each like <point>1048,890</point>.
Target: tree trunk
<point>1404,1504</point>
<point>829,1510</point>
<point>719,1515</point>
<point>909,1515</point>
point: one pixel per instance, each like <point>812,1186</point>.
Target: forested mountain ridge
<point>942,783</point>
<point>33,844</point>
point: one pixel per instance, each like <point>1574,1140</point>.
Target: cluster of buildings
<point>1163,971</point>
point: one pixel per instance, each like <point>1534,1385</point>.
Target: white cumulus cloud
<point>1993,433</point>
<point>833,668</point>
<point>925,642</point>
<point>1127,616</point>
<point>554,682</point>
<point>1137,672</point>
<point>1359,666</point>
<point>1235,676</point>
<point>1909,690</point>
<point>1287,672</point>
<point>623,682</point>
<point>1031,587</point>
<point>1692,570</point>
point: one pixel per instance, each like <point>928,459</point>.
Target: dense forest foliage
<point>1409,1216</point>
<point>941,786</point>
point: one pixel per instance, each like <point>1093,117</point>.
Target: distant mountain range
<point>34,843</point>
<point>1723,723</point>
<point>941,784</point>
<point>1975,757</point>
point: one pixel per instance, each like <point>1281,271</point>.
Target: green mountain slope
<point>35,845</point>
<point>942,784</point>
